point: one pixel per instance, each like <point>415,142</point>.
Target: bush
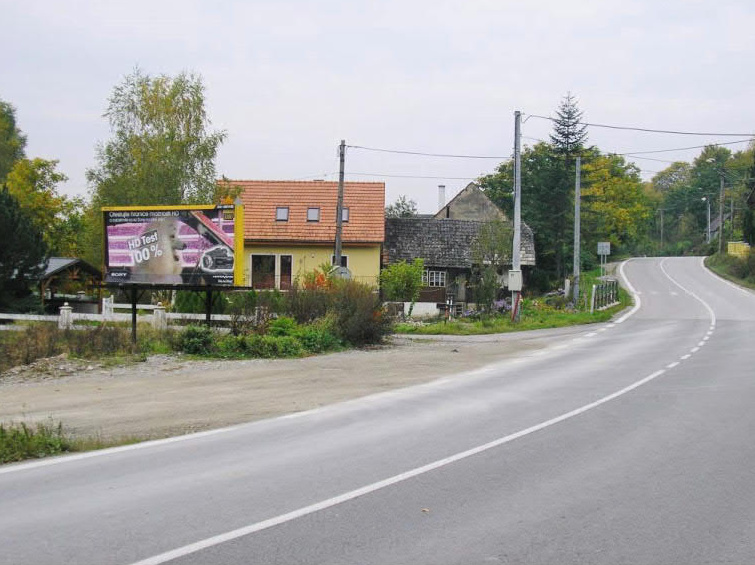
<point>267,346</point>
<point>402,281</point>
<point>307,304</point>
<point>316,338</point>
<point>197,340</point>
<point>23,441</point>
<point>242,307</point>
<point>281,327</point>
<point>357,314</point>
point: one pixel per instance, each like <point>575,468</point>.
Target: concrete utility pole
<point>516,259</point>
<point>577,198</point>
<point>721,212</point>
<point>339,206</point>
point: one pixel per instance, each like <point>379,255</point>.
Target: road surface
<point>628,442</point>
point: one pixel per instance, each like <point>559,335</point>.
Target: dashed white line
<point>672,365</point>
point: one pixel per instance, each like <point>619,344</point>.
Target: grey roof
<point>441,243</point>
<point>58,264</point>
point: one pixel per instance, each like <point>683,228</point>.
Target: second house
<point>290,228</point>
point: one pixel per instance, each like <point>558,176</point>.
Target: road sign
<point>604,248</point>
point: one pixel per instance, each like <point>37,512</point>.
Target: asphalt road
<point>628,442</point>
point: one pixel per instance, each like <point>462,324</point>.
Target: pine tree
<point>569,133</point>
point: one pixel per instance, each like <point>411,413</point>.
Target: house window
<point>271,271</point>
<point>313,214</point>
<point>344,214</point>
<point>344,260</point>
<point>434,278</point>
<point>263,271</point>
<point>281,214</point>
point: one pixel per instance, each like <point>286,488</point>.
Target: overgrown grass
<point>740,271</point>
<point>20,441</point>
<point>535,315</point>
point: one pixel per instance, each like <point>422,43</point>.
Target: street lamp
<point>707,234</point>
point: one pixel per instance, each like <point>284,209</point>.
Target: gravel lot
<point>169,395</point>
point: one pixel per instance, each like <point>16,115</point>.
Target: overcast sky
<point>288,80</point>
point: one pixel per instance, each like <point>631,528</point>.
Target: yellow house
<point>290,227</point>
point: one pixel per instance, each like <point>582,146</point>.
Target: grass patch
<point>535,315</point>
<point>734,269</point>
<point>22,441</point>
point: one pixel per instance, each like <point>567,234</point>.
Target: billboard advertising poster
<point>172,245</point>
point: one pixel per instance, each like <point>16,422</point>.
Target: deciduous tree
<point>12,141</point>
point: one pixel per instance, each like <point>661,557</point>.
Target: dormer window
<point>313,214</point>
<point>281,214</point>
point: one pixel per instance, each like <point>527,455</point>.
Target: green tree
<point>402,281</point>
<point>34,185</point>
<point>569,133</point>
<point>491,254</point>
<point>615,207</point>
<point>162,151</point>
<point>12,141</point>
<point>23,254</point>
<point>401,208</point>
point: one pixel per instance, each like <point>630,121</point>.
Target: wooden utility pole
<point>577,198</point>
<point>339,206</point>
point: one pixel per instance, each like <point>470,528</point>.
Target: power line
<point>423,154</point>
<point>409,176</point>
<point>685,148</point>
<point>649,130</point>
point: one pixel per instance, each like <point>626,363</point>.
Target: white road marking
<point>351,495</point>
<point>685,357</point>
<point>694,350</point>
<point>672,365</point>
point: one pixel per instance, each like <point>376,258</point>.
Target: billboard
<point>174,245</point>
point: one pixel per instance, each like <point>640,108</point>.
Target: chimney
<point>441,196</point>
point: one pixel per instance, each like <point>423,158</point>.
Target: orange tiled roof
<point>365,201</point>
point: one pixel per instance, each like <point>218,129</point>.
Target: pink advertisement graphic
<point>170,246</point>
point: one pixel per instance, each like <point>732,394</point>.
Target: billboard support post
<point>208,306</point>
<point>133,315</point>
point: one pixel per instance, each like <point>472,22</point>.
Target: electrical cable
<point>650,130</point>
<point>423,154</point>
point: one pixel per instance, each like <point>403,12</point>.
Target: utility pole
<point>661,229</point>
<point>721,213</point>
<point>339,206</point>
<point>516,259</point>
<point>577,198</point>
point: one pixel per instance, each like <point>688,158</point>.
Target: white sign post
<point>604,250</point>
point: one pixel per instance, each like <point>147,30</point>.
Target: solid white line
<point>632,291</point>
<point>723,280</point>
<point>351,495</point>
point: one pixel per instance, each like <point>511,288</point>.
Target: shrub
<point>242,307</point>
<point>23,441</point>
<point>316,338</point>
<point>267,346</point>
<point>357,314</point>
<point>402,281</point>
<point>197,340</point>
<point>307,304</point>
<point>282,326</point>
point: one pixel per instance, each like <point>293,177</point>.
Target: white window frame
<point>344,259</point>
<point>277,272</point>
<point>434,278</point>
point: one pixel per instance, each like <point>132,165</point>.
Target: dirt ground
<point>169,395</point>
